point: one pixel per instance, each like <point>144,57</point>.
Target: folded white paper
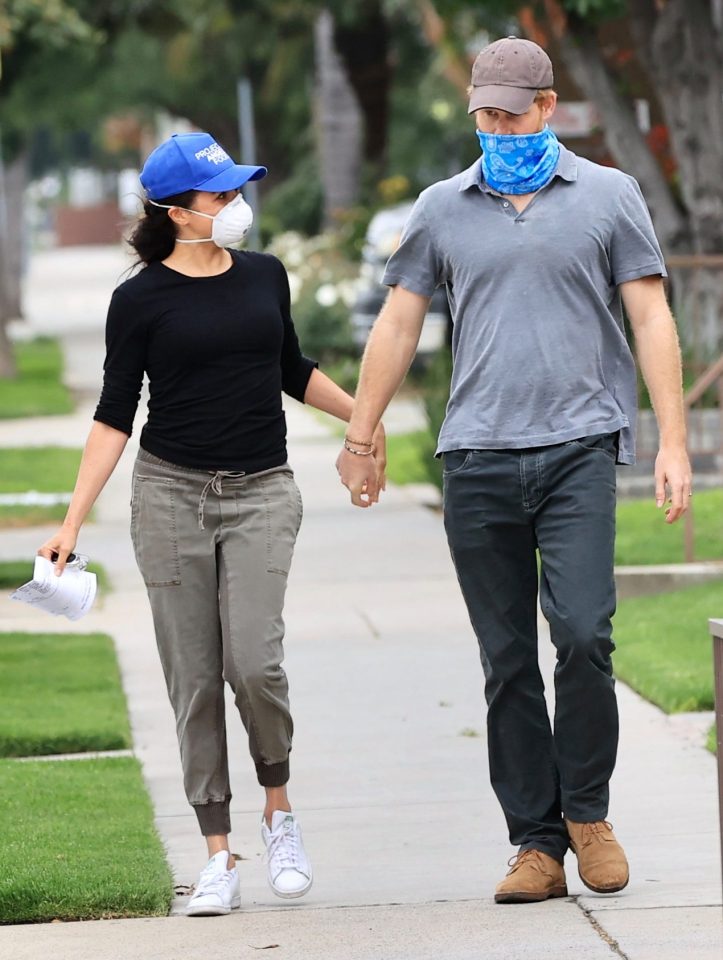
<point>70,595</point>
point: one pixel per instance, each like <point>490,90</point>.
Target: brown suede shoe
<point>601,860</point>
<point>534,876</point>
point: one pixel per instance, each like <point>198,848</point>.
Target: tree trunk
<point>12,251</point>
<point>364,49</point>
<point>681,47</point>
<point>697,297</point>
<point>577,42</point>
<point>682,51</point>
<point>339,124</point>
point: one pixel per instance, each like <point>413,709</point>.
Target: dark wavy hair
<point>154,235</point>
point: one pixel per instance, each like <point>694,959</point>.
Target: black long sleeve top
<point>218,352</point>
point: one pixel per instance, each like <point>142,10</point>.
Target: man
<point>539,250</point>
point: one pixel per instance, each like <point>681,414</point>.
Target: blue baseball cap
<point>193,161</point>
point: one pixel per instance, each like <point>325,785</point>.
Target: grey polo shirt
<point>539,347</point>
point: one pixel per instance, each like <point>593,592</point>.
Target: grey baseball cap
<point>507,74</point>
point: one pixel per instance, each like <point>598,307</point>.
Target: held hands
<point>673,473</point>
<point>363,471</point>
<point>61,543</point>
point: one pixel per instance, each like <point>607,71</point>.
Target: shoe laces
<point>283,846</point>
<point>519,859</point>
<point>596,832</point>
<point>212,881</point>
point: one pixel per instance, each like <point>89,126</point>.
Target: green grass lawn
<point>38,389</point>
<point>78,843</point>
<point>60,693</point>
<point>664,649</point>
<point>13,517</point>
<point>13,573</point>
<point>644,537</point>
<point>44,469</point>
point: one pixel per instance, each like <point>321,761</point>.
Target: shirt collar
<point>472,176</point>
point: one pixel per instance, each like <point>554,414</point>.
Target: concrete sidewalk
<point>389,765</point>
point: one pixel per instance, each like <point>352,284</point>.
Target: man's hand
<point>673,477</point>
<point>363,474</point>
<point>387,356</point>
<point>380,458</point>
<point>359,476</point>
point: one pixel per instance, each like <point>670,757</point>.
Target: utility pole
<point>247,136</point>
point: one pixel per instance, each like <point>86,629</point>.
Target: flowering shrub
<point>323,284</point>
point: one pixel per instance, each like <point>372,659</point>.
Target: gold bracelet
<point>358,453</point>
<point>360,443</point>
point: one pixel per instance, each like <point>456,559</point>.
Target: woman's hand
<point>62,543</point>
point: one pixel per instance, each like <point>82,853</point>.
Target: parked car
<point>382,239</point>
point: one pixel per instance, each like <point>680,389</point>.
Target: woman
<point>215,509</point>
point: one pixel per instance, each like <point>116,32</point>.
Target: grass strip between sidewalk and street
<point>44,469</point>
<point>15,516</point>
<point>78,843</point>
<point>60,693</point>
<point>40,469</point>
<point>664,648</point>
<point>13,573</point>
<point>37,390</point>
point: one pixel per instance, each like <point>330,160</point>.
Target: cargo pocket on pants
<point>284,511</point>
<point>153,531</point>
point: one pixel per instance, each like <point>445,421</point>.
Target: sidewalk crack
<point>602,932</point>
<point>368,622</point>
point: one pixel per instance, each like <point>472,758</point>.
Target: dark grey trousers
<point>500,507</point>
<point>215,551</point>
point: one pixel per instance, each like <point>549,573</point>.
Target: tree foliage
<point>47,23</point>
<point>408,63</point>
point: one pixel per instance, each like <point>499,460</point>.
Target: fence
<point>696,294</point>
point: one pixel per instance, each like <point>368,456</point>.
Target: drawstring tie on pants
<point>215,484</point>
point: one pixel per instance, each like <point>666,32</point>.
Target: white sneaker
<point>218,890</point>
<point>289,870</point>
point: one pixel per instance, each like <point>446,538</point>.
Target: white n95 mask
<point>230,225</point>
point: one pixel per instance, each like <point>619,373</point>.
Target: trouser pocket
<point>283,507</point>
<point>604,442</point>
<point>153,530</point>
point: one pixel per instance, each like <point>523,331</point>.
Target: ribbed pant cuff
<point>214,818</point>
<point>273,774</point>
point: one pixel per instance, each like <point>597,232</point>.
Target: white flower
<point>326,295</point>
<point>347,290</point>
<point>294,258</point>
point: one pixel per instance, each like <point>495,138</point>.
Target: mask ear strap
<point>168,206</point>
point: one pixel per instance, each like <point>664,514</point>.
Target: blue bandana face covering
<point>519,163</point>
